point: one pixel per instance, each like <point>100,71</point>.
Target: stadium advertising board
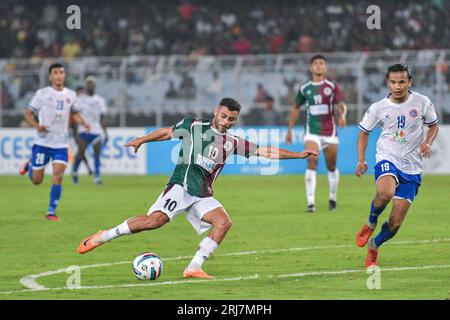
<point>16,144</point>
<point>160,158</point>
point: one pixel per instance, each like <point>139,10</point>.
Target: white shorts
<point>322,141</point>
<point>174,200</point>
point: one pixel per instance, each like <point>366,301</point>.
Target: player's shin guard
<point>333,181</point>
<point>374,213</point>
<point>55,195</point>
<point>206,248</point>
<point>310,184</point>
<point>384,235</point>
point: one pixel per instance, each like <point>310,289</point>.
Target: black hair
<point>399,67</point>
<point>231,104</point>
<point>317,56</point>
<point>54,66</point>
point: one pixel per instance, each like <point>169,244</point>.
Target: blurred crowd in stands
<point>194,27</point>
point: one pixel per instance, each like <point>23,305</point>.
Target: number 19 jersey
<point>402,129</point>
<point>320,98</point>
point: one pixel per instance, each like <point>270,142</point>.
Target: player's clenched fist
<point>425,150</point>
<point>361,168</point>
<point>309,153</point>
<point>41,128</point>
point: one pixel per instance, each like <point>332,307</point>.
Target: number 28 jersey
<point>203,154</point>
<point>402,129</point>
<point>53,109</point>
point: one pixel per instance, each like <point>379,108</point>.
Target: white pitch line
<point>30,281</point>
<point>128,285</point>
<point>253,277</point>
<point>323,273</point>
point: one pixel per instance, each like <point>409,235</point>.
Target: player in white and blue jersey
<point>93,108</point>
<point>53,106</point>
<point>403,143</point>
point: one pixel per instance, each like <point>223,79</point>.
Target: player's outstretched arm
<point>425,147</point>
<point>361,166</point>
<point>161,134</point>
<point>279,153</point>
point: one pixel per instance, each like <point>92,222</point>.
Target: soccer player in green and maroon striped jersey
<point>206,145</point>
<point>319,95</point>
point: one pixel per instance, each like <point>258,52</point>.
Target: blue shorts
<point>42,155</point>
<point>407,184</point>
<point>89,137</point>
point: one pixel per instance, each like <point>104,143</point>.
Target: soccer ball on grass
<point>147,266</point>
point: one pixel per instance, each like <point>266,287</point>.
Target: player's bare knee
<point>331,167</point>
<point>385,196</point>
<point>226,224</point>
<point>312,164</point>
<point>36,181</point>
<point>57,178</point>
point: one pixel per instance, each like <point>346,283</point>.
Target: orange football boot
<point>24,168</point>
<point>197,274</point>
<point>90,242</point>
<point>363,235</point>
<point>51,216</point>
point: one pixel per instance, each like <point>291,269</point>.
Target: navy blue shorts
<point>42,155</point>
<point>89,137</point>
<point>407,184</point>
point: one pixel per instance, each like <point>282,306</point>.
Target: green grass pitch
<point>274,250</point>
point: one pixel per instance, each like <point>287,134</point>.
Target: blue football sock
<point>76,164</point>
<point>30,171</point>
<point>384,235</point>
<point>97,167</point>
<point>374,213</point>
<point>55,195</point>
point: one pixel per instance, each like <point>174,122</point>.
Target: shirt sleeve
<point>182,128</point>
<point>430,117</point>
<point>338,93</point>
<point>36,102</point>
<point>245,148</point>
<point>369,120</point>
<point>300,98</point>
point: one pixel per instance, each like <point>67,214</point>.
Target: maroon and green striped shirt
<point>320,98</point>
<point>203,154</point>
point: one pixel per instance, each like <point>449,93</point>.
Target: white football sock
<point>118,231</point>
<point>333,181</point>
<point>206,248</point>
<point>310,183</point>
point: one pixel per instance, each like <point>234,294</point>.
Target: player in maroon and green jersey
<point>206,145</point>
<point>319,95</point>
